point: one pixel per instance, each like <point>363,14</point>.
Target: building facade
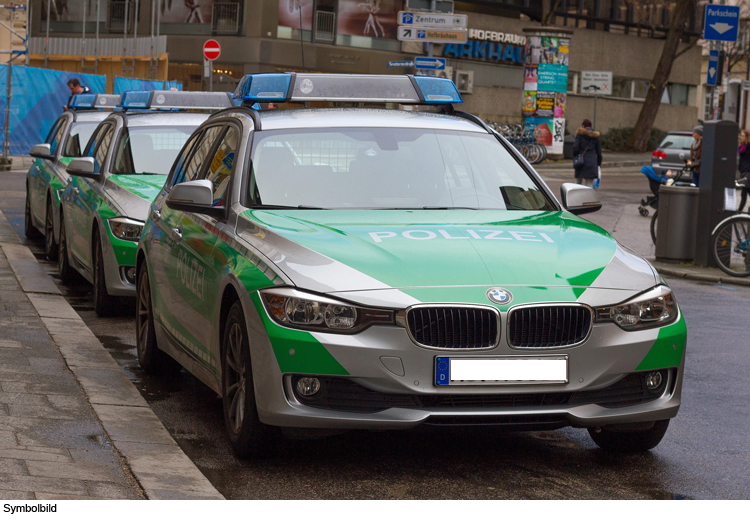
<point>359,36</point>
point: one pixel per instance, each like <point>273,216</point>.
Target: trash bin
<point>677,222</point>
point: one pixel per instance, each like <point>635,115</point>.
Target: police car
<point>47,177</point>
<point>123,168</point>
<point>351,267</point>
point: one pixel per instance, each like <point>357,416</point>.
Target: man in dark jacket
<point>587,143</point>
<point>75,87</point>
<point>696,150</point>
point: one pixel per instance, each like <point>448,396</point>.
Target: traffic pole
<point>596,97</point>
<point>210,76</point>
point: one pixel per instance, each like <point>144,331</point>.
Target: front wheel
<point>64,269</point>
<point>653,226</point>
<point>30,231</point>
<point>626,440</point>
<point>104,303</point>
<point>731,247</point>
<point>247,434</point>
<point>151,359</point>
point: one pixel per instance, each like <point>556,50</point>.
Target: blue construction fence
<point>123,84</point>
<point>37,100</point>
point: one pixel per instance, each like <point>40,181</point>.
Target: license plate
<point>506,370</point>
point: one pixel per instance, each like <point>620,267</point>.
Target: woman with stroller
<point>744,152</point>
<point>588,145</point>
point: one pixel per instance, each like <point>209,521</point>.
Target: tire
<point>731,247</point>
<point>50,246</point>
<point>104,303</point>
<point>151,359</point>
<point>247,434</point>
<point>29,230</point>
<point>64,269</point>
<point>622,441</point>
<point>653,226</point>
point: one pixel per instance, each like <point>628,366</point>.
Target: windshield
<point>388,168</point>
<point>149,150</point>
<point>79,135</point>
<point>677,142</point>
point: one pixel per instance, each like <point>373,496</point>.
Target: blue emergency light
<point>138,99</point>
<point>83,101</point>
<point>303,87</point>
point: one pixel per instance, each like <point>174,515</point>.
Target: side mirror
<point>195,196</point>
<point>579,199</point>
<point>83,167</point>
<point>42,150</point>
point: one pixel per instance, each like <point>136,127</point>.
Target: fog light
<point>653,380</point>
<point>129,273</point>
<point>308,386</point>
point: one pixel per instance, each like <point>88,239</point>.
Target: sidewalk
<point>72,426</point>
<point>690,271</point>
<point>609,160</point>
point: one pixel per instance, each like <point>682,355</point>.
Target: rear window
<point>675,141</point>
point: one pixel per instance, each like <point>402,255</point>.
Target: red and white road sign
<point>211,50</point>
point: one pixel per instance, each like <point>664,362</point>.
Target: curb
<point>605,165</point>
<point>700,277</point>
<point>159,465</point>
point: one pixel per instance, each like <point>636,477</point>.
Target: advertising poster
<point>529,103</point>
<point>186,11</point>
<point>545,104</point>
<point>545,97</point>
<point>64,10</point>
<point>291,12</point>
<point>368,18</point>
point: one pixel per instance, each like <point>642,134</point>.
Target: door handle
<point>177,233</point>
<point>155,215</point>
<point>75,190</point>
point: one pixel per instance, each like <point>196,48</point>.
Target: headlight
<point>126,228</point>
<point>656,307</point>
<point>306,311</point>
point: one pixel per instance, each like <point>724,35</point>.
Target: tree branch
<point>686,49</point>
<point>552,8</point>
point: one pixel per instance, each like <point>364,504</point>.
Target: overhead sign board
<point>435,35</point>
<point>721,23</point>
<point>211,50</point>
<point>713,67</point>
<point>400,64</point>
<point>596,82</point>
<point>429,63</point>
<point>407,18</point>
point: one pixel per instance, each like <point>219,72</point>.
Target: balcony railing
<point>325,24</point>
<point>225,18</point>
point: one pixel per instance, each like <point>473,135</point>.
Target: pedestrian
<point>587,154</point>
<point>695,154</point>
<point>75,87</point>
<point>744,151</point>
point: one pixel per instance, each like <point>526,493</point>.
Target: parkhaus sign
<point>490,45</point>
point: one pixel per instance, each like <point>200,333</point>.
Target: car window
<point>55,139</point>
<point>675,141</point>
<point>200,153</point>
<point>221,165</point>
<point>389,168</point>
<point>100,154</point>
<point>187,151</point>
<point>149,150</point>
<point>79,135</point>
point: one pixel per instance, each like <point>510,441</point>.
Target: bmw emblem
<point>499,296</point>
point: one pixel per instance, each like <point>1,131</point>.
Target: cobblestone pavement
<point>51,444</point>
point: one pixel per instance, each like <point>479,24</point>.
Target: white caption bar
<point>550,370</point>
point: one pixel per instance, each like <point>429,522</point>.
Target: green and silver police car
<point>48,176</point>
<point>123,168</point>
<point>381,268</point>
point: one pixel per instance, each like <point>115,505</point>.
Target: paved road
<point>704,454</point>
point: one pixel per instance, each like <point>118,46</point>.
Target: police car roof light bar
<point>135,99</point>
<point>82,101</point>
<point>304,87</point>
<point>174,100</point>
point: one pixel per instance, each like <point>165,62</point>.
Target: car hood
<point>132,193</point>
<point>360,250</point>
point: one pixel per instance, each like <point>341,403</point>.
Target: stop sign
<point>211,50</point>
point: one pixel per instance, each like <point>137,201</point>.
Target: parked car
<point>370,268</point>
<point>122,169</point>
<point>48,175</point>
<point>673,151</point>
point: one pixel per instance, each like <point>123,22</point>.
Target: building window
<point>622,87</point>
<point>640,89</point>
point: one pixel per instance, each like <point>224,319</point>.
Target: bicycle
<point>731,245</point>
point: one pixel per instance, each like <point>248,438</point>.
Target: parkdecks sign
<point>490,45</point>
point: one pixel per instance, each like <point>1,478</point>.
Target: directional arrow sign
<point>721,23</point>
<point>436,35</point>
<point>713,69</point>
<point>429,63</point>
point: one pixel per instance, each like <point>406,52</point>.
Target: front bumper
<point>119,257</point>
<point>607,357</point>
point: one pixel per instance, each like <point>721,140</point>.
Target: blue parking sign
<point>721,23</point>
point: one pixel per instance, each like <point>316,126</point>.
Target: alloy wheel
<point>236,377</point>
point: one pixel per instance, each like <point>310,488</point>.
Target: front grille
<point>342,394</point>
<point>453,327</point>
<point>548,326</point>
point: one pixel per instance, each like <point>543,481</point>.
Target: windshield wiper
<point>270,206</point>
